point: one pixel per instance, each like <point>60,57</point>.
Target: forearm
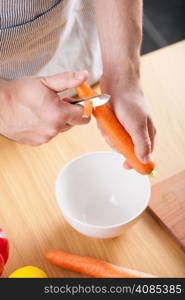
<point>119,24</point>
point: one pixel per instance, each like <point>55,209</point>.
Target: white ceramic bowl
<point>98,197</point>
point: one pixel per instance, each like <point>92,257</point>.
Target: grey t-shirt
<point>45,37</point>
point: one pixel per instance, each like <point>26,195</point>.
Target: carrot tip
<point>152,174</point>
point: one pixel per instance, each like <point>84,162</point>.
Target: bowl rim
<point>68,215</point>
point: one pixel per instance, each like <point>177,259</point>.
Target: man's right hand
<point>31,111</point>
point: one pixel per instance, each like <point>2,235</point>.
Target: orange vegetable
<point>84,91</point>
<point>88,108</point>
<point>115,132</point>
<point>90,266</point>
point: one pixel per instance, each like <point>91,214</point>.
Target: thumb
<point>142,145</point>
<point>63,81</point>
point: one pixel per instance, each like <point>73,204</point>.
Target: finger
<point>73,114</point>
<point>66,127</point>
<point>126,165</point>
<point>151,132</point>
<point>63,81</point>
<point>142,143</point>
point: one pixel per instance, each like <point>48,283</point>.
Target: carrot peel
<point>83,91</point>
<point>88,108</point>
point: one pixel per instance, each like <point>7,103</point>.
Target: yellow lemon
<point>28,272</point>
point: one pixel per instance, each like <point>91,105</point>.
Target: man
<point>39,38</point>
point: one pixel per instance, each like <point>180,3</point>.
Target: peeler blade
<point>97,100</point>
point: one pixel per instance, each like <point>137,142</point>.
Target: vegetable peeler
<point>97,100</point>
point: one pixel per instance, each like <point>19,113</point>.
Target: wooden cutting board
<point>168,205</point>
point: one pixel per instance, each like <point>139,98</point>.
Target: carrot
<point>88,108</point>
<point>90,266</point>
<point>84,91</point>
<point>115,132</point>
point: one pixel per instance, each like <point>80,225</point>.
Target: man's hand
<point>120,31</point>
<point>31,111</point>
<point>132,111</point>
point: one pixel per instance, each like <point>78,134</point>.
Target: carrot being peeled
<point>115,132</point>
<point>88,108</point>
<point>85,91</point>
<point>90,266</point>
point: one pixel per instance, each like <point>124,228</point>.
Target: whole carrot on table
<point>115,132</point>
<point>90,266</point>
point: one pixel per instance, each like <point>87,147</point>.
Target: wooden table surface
<point>29,213</point>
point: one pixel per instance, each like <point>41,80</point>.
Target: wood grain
<point>168,205</point>
<point>28,209</point>
<point>163,73</point>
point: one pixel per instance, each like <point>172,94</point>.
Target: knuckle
<point>140,127</point>
<point>141,153</point>
<point>63,112</point>
<point>143,148</point>
<point>55,120</point>
<point>34,143</point>
<point>86,120</point>
<point>65,116</point>
<point>41,140</point>
<point>146,147</point>
<point>52,132</point>
<point>44,140</point>
<point>139,123</point>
